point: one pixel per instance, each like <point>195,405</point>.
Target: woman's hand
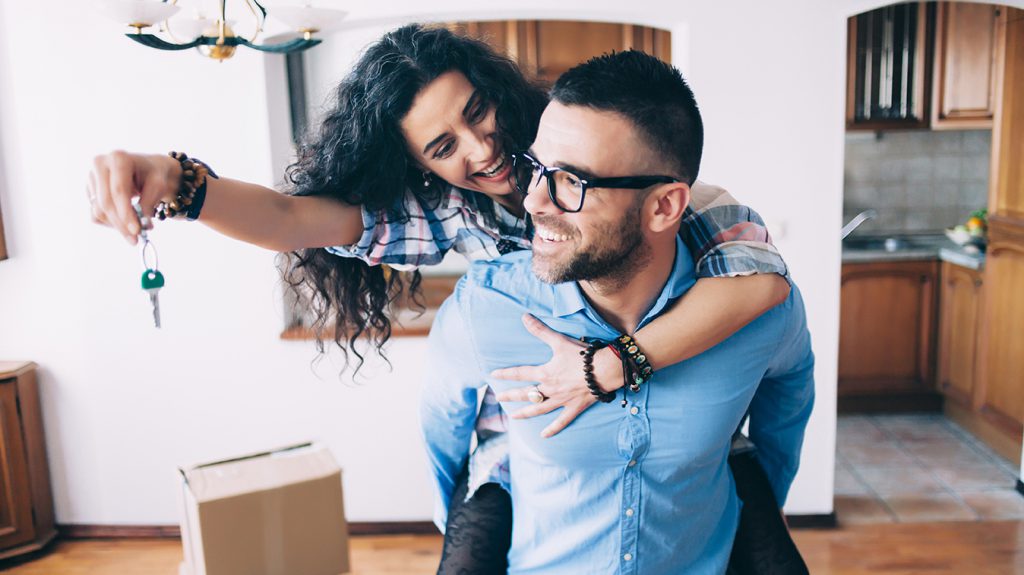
<point>119,176</point>
<point>560,379</point>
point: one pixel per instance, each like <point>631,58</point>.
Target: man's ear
<point>666,205</point>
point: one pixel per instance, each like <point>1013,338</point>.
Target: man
<point>645,489</point>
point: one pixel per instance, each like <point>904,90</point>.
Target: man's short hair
<point>651,94</point>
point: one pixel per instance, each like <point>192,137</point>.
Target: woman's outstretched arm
<point>248,212</point>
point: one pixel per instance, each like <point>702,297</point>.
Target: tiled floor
<point>913,468</point>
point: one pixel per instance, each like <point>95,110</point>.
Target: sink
<point>885,244</point>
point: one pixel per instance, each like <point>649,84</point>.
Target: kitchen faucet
<point>857,221</point>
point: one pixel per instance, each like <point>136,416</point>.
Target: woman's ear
<point>666,206</point>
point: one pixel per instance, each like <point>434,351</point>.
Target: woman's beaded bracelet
<point>588,370</point>
<point>634,360</point>
<point>191,191</point>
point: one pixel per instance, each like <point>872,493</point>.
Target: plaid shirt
<point>727,239</point>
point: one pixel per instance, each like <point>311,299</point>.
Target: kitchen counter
<point>863,249</point>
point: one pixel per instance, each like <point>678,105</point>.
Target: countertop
<point>864,249</point>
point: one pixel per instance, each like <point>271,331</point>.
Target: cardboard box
<point>274,513</point>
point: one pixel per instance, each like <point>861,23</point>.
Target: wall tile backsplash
<point>919,181</point>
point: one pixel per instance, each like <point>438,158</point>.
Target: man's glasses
<point>568,190</point>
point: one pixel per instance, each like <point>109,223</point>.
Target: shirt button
<point>628,557</point>
<point>634,410</point>
<point>629,512</point>
<point>632,462</point>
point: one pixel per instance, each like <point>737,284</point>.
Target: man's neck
<point>624,301</point>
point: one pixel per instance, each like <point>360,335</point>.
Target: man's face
<point>603,241</point>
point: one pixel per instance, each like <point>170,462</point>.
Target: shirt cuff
<point>735,259</point>
<point>361,249</point>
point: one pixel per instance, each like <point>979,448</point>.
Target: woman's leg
<point>479,531</point>
<point>763,545</point>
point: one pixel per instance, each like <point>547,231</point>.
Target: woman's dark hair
<point>359,156</point>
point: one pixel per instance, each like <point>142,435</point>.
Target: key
<point>152,281</point>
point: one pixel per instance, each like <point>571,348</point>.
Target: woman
<point>391,180</point>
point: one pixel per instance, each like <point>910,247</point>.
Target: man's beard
<point>611,262</point>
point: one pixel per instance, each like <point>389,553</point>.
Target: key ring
<point>144,225</point>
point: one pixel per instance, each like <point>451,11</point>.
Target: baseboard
<point>393,528</point>
<point>75,531</point>
<point>820,521</point>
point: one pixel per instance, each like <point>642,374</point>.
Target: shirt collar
<point>569,298</point>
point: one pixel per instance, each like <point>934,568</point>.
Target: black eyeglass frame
<point>622,182</point>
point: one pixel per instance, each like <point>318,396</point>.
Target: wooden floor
<point>975,548</point>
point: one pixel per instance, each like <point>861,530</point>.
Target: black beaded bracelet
<point>588,370</point>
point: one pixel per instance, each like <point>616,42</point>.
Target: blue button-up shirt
<point>642,489</point>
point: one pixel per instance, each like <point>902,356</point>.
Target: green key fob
<point>152,279</point>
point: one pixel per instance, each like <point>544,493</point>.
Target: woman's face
<point>451,131</point>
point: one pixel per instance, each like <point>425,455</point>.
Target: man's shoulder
<point>508,270</point>
<point>506,282</point>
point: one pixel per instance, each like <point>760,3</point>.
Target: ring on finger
<point>535,395</point>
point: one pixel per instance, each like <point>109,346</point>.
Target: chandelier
<point>215,37</point>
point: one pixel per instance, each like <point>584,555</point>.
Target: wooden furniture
<point>887,337</point>
<point>3,241</point>
<point>887,63</point>
<point>1001,395</point>
<point>1006,186</point>
<point>960,302</point>
<point>968,55</point>
<point>547,48</point>
<point>26,503</point>
<point>924,65</point>
<point>997,411</point>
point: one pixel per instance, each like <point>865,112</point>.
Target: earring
<point>426,179</point>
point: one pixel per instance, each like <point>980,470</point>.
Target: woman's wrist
<point>607,370</point>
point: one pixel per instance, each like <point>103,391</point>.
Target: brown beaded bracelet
<point>191,191</point>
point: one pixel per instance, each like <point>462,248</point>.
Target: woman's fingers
<point>518,373</point>
<point>536,409</point>
<point>518,394</point>
<point>567,416</point>
<point>118,177</point>
<point>122,189</point>
<point>102,199</point>
<point>90,194</point>
<point>544,333</point>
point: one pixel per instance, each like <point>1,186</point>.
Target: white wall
<point>122,409</point>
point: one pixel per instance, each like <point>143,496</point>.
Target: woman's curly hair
<point>359,156</point>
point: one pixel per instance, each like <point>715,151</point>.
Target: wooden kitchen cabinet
<point>887,336</point>
<point>3,240</point>
<point>1001,393</point>
<point>1006,188</point>
<point>887,67</point>
<point>960,304</point>
<point>998,414</point>
<point>547,48</point>
<point>26,502</point>
<point>968,59</point>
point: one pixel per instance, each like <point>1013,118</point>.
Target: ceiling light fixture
<point>214,37</point>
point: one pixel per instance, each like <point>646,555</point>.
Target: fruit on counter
<point>978,222</point>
